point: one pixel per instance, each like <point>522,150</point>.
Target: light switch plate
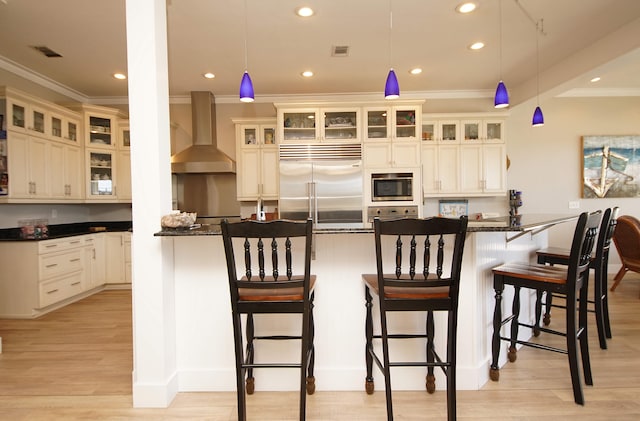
<point>574,205</point>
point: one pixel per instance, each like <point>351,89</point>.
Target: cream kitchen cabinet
<point>440,131</point>
<point>118,257</point>
<point>100,174</point>
<point>39,276</point>
<point>392,154</point>
<point>123,170</point>
<point>108,175</point>
<point>482,131</point>
<point>65,171</point>
<point>483,169</point>
<point>440,170</point>
<point>95,260</point>
<point>319,124</point>
<point>40,169</point>
<point>398,122</point>
<point>28,166</point>
<point>257,160</point>
<point>26,116</point>
<point>65,126</point>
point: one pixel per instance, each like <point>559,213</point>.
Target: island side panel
<point>203,315</point>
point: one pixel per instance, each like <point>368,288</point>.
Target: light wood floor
<point>76,364</point>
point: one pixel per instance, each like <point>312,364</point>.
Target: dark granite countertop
<point>67,230</point>
<point>519,223</point>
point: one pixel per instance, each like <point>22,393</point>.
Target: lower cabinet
<point>118,257</point>
<point>39,276</point>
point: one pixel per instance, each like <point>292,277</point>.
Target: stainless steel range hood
<point>203,156</point>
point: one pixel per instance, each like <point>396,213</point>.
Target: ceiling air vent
<point>46,50</point>
<point>340,51</point>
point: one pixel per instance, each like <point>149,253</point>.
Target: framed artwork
<point>453,208</point>
<point>611,166</point>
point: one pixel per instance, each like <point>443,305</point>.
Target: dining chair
<point>599,263</point>
<point>626,237</point>
<point>272,274</point>
<point>570,281</point>
<point>418,265</point>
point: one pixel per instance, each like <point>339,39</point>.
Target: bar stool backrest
<point>427,253</point>
<point>268,250</point>
<point>584,240</point>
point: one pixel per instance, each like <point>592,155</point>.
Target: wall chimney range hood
<point>203,156</point>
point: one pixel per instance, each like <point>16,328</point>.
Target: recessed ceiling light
<point>476,45</point>
<point>466,7</point>
<point>307,73</point>
<point>209,75</point>
<point>415,71</point>
<point>595,79</point>
<point>304,11</point>
<point>119,76</point>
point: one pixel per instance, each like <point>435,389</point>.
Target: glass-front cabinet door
<point>471,131</point>
<point>56,127</point>
<point>449,132</point>
<point>299,125</point>
<point>377,124</point>
<point>18,117</point>
<point>38,120</point>
<point>406,123</point>
<point>257,135</point>
<point>72,131</point>
<point>340,125</point>
<point>101,174</point>
<point>100,131</point>
<point>429,132</point>
<point>494,131</point>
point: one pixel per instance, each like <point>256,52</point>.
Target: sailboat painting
<point>611,166</point>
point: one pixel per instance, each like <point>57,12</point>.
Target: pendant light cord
<point>246,35</point>
<point>390,38</point>
<point>500,34</point>
<point>538,25</point>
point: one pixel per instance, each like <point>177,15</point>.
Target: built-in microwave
<point>391,187</point>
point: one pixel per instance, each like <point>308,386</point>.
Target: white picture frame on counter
<point>453,208</point>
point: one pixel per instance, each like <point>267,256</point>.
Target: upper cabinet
<point>256,159</point>
<point>463,128</point>
<point>398,122</point>
<point>464,155</point>
<point>319,124</point>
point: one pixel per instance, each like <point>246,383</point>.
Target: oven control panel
<point>391,212</point>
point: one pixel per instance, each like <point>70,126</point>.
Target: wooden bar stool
<point>599,263</point>
<point>404,244</point>
<point>570,281</point>
<point>287,289</point>
<point>627,240</point>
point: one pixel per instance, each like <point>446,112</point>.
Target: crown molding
<point>600,92</point>
<point>44,81</point>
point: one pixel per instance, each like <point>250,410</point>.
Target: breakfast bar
<point>204,339</point>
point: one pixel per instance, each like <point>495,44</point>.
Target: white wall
<point>546,162</point>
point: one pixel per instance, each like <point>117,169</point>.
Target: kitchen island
<point>204,339</point>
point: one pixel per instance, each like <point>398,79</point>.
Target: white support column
<point>155,382</point>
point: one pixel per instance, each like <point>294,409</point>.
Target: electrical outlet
<point>54,213</point>
<point>574,205</point>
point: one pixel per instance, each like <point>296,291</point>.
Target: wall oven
<point>392,186</point>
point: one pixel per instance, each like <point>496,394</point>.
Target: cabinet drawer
<point>59,289</point>
<point>48,246</point>
<point>56,264</point>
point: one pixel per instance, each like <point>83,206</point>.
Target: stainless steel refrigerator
<point>322,182</point>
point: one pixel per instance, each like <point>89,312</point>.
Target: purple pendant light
<point>246,86</point>
<point>538,118</point>
<point>391,87</point>
<point>501,99</point>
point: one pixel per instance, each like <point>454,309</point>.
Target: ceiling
<point>580,39</point>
